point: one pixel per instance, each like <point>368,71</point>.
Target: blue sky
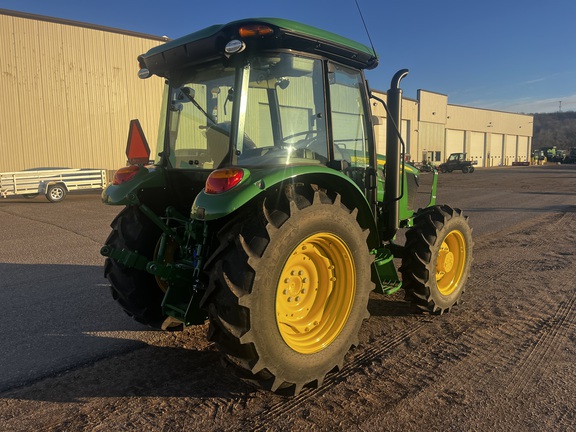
<point>509,55</point>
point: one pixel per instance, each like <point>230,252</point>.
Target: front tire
<point>288,296</point>
<point>438,259</point>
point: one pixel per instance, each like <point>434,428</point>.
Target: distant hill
<point>555,129</point>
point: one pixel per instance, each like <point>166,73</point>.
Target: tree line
<point>555,129</point>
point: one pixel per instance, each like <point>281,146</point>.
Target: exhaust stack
<point>393,175</point>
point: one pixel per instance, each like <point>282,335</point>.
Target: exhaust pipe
<point>392,177</point>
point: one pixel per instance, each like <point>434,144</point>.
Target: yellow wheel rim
<point>315,293</point>
<point>450,263</point>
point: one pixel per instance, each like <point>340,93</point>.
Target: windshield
<point>269,112</point>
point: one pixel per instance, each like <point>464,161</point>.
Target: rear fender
<point>262,182</point>
<point>127,193</point>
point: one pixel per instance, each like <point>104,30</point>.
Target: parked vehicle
<point>426,166</point>
<point>268,212</point>
<point>457,162</point>
<point>53,183</point>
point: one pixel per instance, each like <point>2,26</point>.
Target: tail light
<point>124,174</point>
<point>222,180</point>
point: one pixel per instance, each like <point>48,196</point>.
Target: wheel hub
<point>445,260</point>
<point>315,293</point>
<point>450,262</point>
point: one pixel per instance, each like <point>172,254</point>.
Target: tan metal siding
<point>11,154</point>
<point>69,93</point>
<point>431,137</point>
<point>433,107</point>
<point>409,129</point>
<point>482,120</point>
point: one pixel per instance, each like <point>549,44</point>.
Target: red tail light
<point>124,174</point>
<point>222,180</point>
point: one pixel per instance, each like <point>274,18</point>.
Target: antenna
<point>366,28</point>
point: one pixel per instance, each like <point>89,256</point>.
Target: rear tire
<point>288,295</point>
<point>438,259</point>
<point>136,291</point>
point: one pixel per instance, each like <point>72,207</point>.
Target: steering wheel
<point>308,135</point>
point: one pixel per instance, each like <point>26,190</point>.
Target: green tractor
<point>268,211</point>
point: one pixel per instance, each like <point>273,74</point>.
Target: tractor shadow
<point>394,305</point>
<point>148,372</point>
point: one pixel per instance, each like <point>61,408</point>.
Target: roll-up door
<point>477,145</point>
<point>523,150</point>
<point>496,144</point>
<point>454,142</point>
<point>510,149</point>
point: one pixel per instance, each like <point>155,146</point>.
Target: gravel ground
<point>503,360</point>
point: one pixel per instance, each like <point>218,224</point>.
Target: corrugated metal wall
<point>68,94</point>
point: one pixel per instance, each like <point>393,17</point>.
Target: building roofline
<point>36,17</point>
<point>491,110</point>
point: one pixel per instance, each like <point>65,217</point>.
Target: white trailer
<point>54,183</point>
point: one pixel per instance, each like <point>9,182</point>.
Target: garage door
<point>523,150</point>
<point>454,142</point>
<point>510,149</point>
<point>476,152</point>
<point>496,144</point>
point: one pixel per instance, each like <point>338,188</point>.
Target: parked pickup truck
<point>457,162</point>
<point>53,183</point>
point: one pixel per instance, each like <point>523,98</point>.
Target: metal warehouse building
<point>432,129</point>
<point>69,90</point>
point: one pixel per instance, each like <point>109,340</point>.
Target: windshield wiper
<point>190,95</point>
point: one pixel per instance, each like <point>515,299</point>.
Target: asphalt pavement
<point>57,311</point>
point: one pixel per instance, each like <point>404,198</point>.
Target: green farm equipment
<point>268,212</point>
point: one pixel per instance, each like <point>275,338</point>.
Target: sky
<point>507,55</point>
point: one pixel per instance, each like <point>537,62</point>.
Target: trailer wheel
<point>56,192</point>
<point>438,259</point>
<point>289,294</point>
<point>136,291</point>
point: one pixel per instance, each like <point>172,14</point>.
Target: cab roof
<point>209,43</point>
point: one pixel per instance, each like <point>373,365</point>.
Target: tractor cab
<point>254,102</point>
